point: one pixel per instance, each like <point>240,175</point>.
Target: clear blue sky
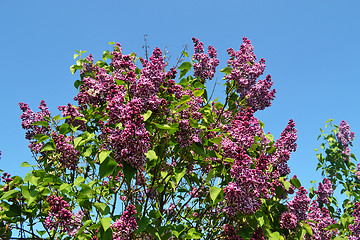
<point>311,50</point>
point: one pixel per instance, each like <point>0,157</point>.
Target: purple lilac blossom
<point>124,227</point>
<point>319,219</point>
<point>259,96</point>
<point>69,156</point>
<point>344,137</point>
<point>355,228</point>
<point>230,233</point>
<point>28,118</point>
<point>59,216</point>
<point>284,146</point>
<point>288,220</point>
<point>73,112</point>
<point>357,173</point>
<point>205,65</point>
<point>244,195</point>
<point>300,204</point>
<point>324,191</point>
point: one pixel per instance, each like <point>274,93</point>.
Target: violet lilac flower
<point>124,227</point>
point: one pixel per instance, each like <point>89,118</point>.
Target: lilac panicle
<point>124,227</point>
<point>300,204</point>
<point>324,191</point>
<point>205,65</point>
<point>344,137</point>
<point>28,117</point>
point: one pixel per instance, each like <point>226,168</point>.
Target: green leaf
<point>185,65</point>
<point>78,180</point>
<point>275,236</point>
<point>142,224</point>
<point>199,148</point>
<point>216,140</point>
<point>179,174</point>
<point>185,54</point>
<point>103,155</point>
<point>199,92</point>
<point>129,171</point>
<point>295,182</point>
<point>64,128</point>
<point>105,222</point>
<point>25,164</point>
<point>307,228</point>
<point>184,99</point>
<point>41,123</point>
<point>210,175</point>
<point>151,155</point>
<point>226,70</point>
<point>183,72</point>
<point>10,194</point>
<point>214,193</point>
<point>84,227</point>
<point>49,146</point>
<point>107,167</point>
<point>102,207</point>
<point>77,83</point>
<point>162,126</point>
<point>193,234</point>
<point>147,115</point>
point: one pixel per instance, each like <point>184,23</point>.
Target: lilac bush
<point>146,154</point>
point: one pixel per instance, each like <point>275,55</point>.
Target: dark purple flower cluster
<point>230,233</point>
<point>244,195</point>
<point>76,223</point>
<point>6,178</point>
<point>124,227</point>
<point>28,117</point>
<point>59,216</point>
<point>319,219</point>
<point>357,173</point>
<point>129,139</point>
<point>288,220</point>
<point>124,65</point>
<point>73,112</point>
<point>95,88</point>
<point>206,64</point>
<point>300,204</point>
<point>355,228</point>
<point>244,128</point>
<point>344,137</point>
<point>259,96</point>
<point>324,191</point>
<point>69,156</point>
<point>284,146</point>
<point>245,71</point>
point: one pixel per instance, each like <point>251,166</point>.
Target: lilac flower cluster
<point>344,137</point>
<point>244,128</point>
<point>288,220</point>
<point>357,173</point>
<point>6,178</point>
<point>259,96</point>
<point>300,204</point>
<point>73,112</point>
<point>187,135</point>
<point>69,156</point>
<point>123,64</point>
<point>245,71</point>
<point>230,233</point>
<point>131,140</point>
<point>124,227</point>
<point>76,223</point>
<point>324,191</point>
<point>284,146</point>
<point>28,117</point>
<point>244,195</point>
<point>355,228</point>
<point>95,88</point>
<point>59,216</point>
<point>319,219</point>
<point>206,64</point>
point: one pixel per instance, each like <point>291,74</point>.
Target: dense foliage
<point>145,156</point>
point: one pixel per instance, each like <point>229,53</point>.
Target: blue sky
<point>311,50</point>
